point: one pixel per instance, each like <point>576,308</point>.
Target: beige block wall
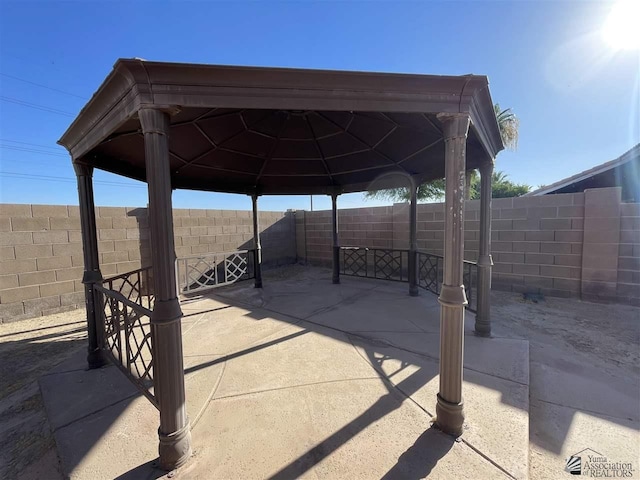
<point>628,287</point>
<point>601,243</point>
<point>367,227</point>
<point>41,263</point>
<point>545,244</point>
<point>537,242</point>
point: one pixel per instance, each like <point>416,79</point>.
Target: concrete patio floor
<point>304,379</point>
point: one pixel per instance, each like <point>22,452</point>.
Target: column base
<point>450,416</point>
<point>335,280</point>
<point>258,284</point>
<point>414,291</point>
<point>175,448</point>
<point>96,359</point>
<point>482,329</point>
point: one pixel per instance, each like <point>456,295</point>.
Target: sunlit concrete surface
<point>305,379</point>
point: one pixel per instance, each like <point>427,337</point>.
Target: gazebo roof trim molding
<point>134,83</point>
<point>345,144</point>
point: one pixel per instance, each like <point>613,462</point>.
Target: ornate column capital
<point>486,168</point>
<point>334,192</point>
<point>455,125</point>
<point>154,120</point>
<point>83,170</point>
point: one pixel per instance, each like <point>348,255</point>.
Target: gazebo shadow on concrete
<point>333,386</point>
<point>261,131</point>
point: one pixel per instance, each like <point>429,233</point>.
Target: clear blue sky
<point>577,98</point>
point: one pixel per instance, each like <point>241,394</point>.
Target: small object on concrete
<point>533,297</point>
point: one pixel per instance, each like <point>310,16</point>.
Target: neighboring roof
<point>624,171</point>
<point>281,131</point>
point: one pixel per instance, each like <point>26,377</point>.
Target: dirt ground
<point>606,336</point>
<point>28,349</point>
<point>580,340</point>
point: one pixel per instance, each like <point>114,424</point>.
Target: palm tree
<point>509,125</point>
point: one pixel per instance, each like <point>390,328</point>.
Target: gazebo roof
<point>282,131</point>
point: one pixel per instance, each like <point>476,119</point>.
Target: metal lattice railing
<point>430,273</point>
<point>392,264</point>
<point>136,286</point>
<point>380,263</point>
<point>212,270</point>
<point>470,282</point>
<point>127,336</point>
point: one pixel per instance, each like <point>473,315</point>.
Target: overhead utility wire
<point>56,147</point>
<point>32,150</point>
<point>43,86</point>
<point>36,106</point>
<point>28,176</point>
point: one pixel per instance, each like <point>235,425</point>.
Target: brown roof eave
<point>110,105</point>
<point>134,82</point>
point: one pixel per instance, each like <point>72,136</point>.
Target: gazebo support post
<point>166,329</point>
<point>92,275</point>
<point>413,241</point>
<point>449,408</point>
<point>335,245</point>
<point>257,259</point>
<point>485,262</point>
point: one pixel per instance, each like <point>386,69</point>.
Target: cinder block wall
<point>628,287</point>
<point>539,244</point>
<point>41,263</point>
<point>368,227</point>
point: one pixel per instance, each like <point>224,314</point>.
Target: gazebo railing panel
<point>470,282</point>
<point>136,286</point>
<point>430,270</point>
<point>127,339</point>
<point>202,272</point>
<point>354,261</point>
<point>392,264</point>
<point>380,263</point>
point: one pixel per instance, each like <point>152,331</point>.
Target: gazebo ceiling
<point>282,131</point>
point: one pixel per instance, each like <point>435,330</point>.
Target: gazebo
<point>272,131</point>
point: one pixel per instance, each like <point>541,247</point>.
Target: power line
<point>42,86</point>
<point>32,150</point>
<point>28,176</point>
<point>56,147</point>
<point>36,106</point>
<point>40,64</point>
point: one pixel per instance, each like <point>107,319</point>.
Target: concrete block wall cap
<point>453,296</point>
